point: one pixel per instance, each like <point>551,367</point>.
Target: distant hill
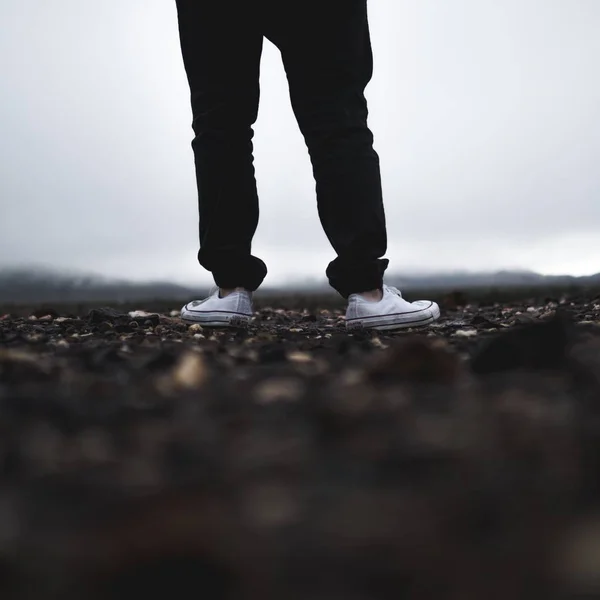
<point>33,285</point>
<point>497,279</point>
<point>21,286</point>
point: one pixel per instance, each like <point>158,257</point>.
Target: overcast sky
<point>486,116</point>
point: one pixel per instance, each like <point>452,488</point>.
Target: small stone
<point>32,318</point>
<point>525,319</point>
<point>139,314</point>
<point>296,330</point>
<point>62,344</point>
<point>199,336</point>
<point>45,318</point>
<point>190,372</point>
<point>377,343</point>
<point>299,357</point>
<point>99,315</point>
<point>532,309</point>
<point>276,390</point>
<point>310,318</point>
<point>175,313</point>
<point>35,338</point>
<point>465,333</point>
<point>195,328</point>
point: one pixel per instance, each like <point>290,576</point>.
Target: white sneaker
<point>391,312</point>
<point>234,310</point>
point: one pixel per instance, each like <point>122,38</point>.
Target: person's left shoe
<point>391,312</point>
<point>233,310</point>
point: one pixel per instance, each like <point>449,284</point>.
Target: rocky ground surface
<point>143,457</point>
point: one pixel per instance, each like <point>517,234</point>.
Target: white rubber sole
<point>419,318</point>
<point>216,318</point>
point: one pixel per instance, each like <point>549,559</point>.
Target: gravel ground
<point>141,456</point>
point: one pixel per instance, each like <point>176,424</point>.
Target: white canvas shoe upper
<point>391,312</point>
<point>233,310</point>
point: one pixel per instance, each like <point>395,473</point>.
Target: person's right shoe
<point>391,312</point>
<point>234,310</point>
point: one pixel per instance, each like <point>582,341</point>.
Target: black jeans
<point>326,51</point>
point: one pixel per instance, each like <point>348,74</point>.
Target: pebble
<point>190,372</point>
<point>377,343</point>
<point>465,333</point>
<point>299,357</point>
<point>139,314</point>
<point>278,389</point>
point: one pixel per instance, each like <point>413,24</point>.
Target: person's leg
<point>221,49</point>
<point>326,50</point>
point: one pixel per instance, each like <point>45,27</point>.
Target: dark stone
<point>98,315</point>
<point>272,354</point>
<point>311,318</point>
<point>417,360</point>
<point>123,328</point>
<point>483,322</point>
<point>540,345</point>
<point>146,321</point>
